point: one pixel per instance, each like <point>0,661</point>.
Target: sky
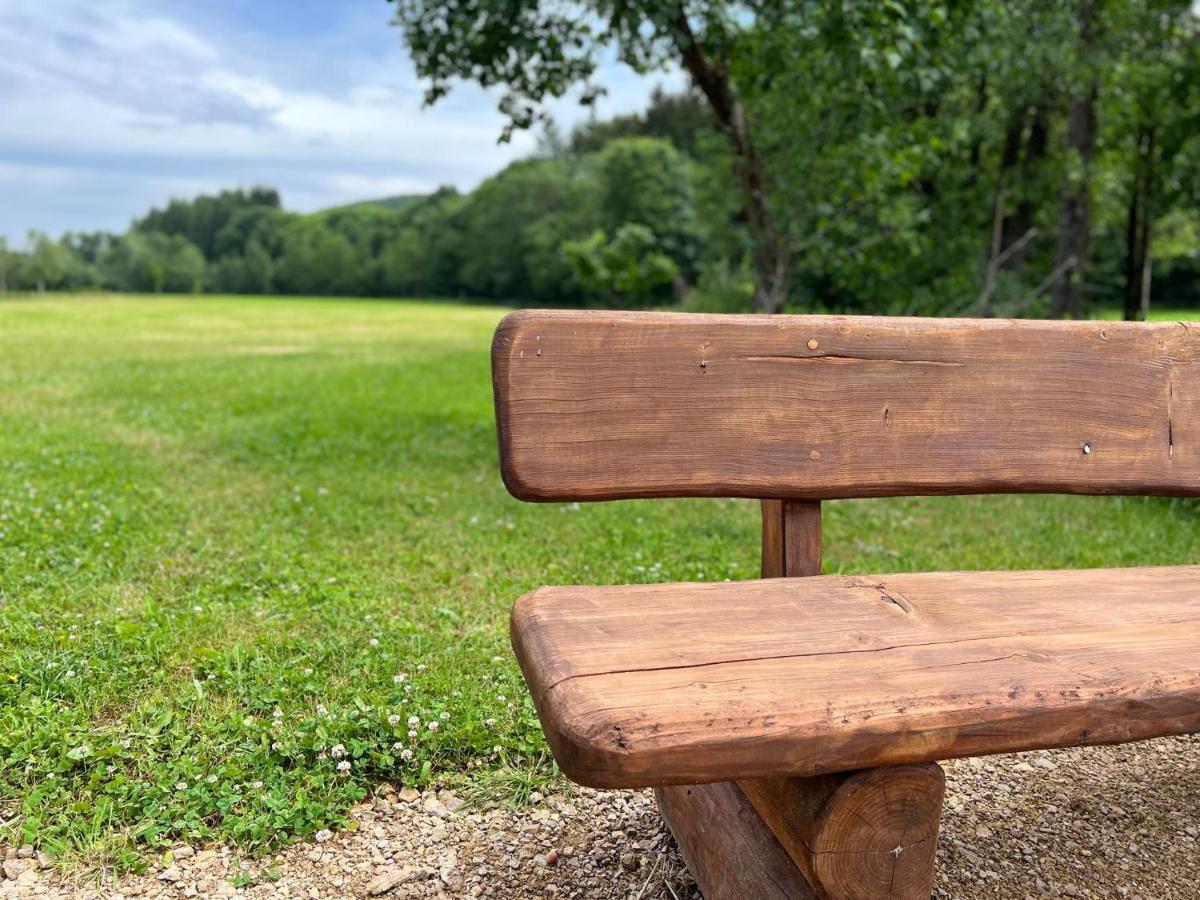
<point>109,107</point>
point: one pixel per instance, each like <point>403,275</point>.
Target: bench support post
<point>727,846</point>
<point>867,835</point>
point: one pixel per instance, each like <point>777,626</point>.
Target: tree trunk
<point>1022,221</point>
<point>981,100</point>
<point>772,256</point>
<point>1074,213</point>
<point>997,238</point>
<point>1137,232</point>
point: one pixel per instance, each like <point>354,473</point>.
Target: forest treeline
<point>973,159</point>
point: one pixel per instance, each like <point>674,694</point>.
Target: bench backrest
<point>606,405</point>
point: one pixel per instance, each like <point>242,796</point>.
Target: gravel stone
<point>390,879</point>
<point>1114,823</point>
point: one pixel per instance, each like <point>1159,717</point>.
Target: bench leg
<point>860,835</point>
<point>727,846</point>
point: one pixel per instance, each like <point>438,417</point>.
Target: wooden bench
<point>792,726</point>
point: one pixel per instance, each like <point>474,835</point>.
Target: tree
<point>644,181</point>
<point>155,263</point>
<point>540,49</point>
<point>1074,223</point>
<point>630,267</point>
<point>419,253</point>
<point>251,271</point>
<point>683,119</point>
<point>1154,124</point>
<point>318,260</point>
<point>47,263</point>
<point>508,221</point>
<point>201,219</point>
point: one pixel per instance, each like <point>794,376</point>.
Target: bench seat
<point>662,684</point>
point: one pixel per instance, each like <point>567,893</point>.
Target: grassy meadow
<point>255,556</point>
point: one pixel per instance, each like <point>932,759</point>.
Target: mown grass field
<point>255,556</point>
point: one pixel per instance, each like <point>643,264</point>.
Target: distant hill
<point>400,201</point>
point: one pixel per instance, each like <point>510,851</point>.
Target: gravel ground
<point>1119,822</point>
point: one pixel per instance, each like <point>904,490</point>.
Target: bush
<point>722,289</point>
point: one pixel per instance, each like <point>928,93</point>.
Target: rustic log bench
<point>792,725</point>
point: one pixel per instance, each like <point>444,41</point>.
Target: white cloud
<point>119,105</point>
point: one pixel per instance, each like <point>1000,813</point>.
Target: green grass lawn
<point>244,543</point>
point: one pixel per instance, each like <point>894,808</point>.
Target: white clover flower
<point>445,717</point>
<point>212,779</point>
<point>399,678</point>
<point>490,723</point>
<point>110,769</point>
<point>337,751</point>
<point>501,697</point>
<point>412,734</point>
<point>406,754</point>
<point>497,749</point>
<point>181,786</point>
<point>323,835</point>
<point>374,642</point>
<point>433,726</point>
<point>70,673</point>
<point>414,720</point>
<point>248,721</point>
<point>321,710</point>
<point>278,714</point>
<point>393,720</point>
<point>257,785</point>
<point>422,667</point>
<point>276,746</point>
<point>197,609</point>
<point>344,766</point>
<point>127,743</point>
<point>397,746</point>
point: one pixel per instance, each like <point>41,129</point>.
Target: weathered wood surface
<point>602,405</point>
<point>866,835</point>
<point>869,835</point>
<point>727,846</point>
<point>791,544</point>
<point>690,683</point>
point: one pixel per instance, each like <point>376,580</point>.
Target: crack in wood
<point>895,598</point>
<point>837,358</point>
<point>847,652</point>
<point>1171,412</point>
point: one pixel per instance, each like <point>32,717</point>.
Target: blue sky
<point>109,107</point>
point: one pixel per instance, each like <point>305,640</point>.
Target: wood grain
<point>727,847</point>
<point>869,835</point>
<point>604,405</point>
<point>791,542</point>
<point>691,683</point>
